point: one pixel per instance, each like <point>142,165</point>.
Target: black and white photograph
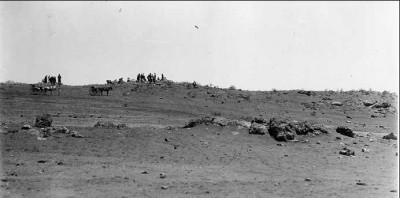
<point>193,99</point>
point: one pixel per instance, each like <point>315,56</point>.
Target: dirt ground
<point>203,161</point>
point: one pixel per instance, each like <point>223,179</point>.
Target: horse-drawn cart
<point>95,91</point>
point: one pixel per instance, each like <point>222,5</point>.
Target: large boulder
<point>280,129</point>
<point>284,129</point>
<point>345,131</point>
<point>43,121</point>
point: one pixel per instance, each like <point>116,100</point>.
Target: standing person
<point>143,79</point>
<point>138,78</point>
<point>154,78</point>
<point>162,76</point>
<point>59,79</point>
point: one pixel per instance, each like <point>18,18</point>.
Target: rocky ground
<point>174,140</point>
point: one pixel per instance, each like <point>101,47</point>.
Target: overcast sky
<point>252,45</point>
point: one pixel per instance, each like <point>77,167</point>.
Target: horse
<point>51,89</point>
<point>106,89</point>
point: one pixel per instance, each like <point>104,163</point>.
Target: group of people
<point>52,79</point>
<point>151,78</point>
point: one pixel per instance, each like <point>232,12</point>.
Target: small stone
<point>162,175</point>
<point>164,187</point>
<point>26,127</point>
<point>279,144</point>
<point>307,179</point>
<point>361,183</point>
<point>339,138</point>
<point>365,150</point>
<point>276,184</point>
<point>348,121</point>
<point>318,142</point>
<point>393,190</point>
<point>145,172</point>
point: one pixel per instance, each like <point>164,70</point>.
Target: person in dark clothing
<point>138,78</point>
<point>59,79</point>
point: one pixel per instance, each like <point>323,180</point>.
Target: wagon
<point>94,91</point>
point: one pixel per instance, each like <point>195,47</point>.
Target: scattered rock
<point>12,131</point>
<point>122,126</point>
<point>60,163</point>
<point>43,121</point>
<point>368,103</point>
<point>106,124</point>
<point>220,121</point>
<point>365,150</point>
<point>308,93</point>
<point>41,161</point>
<point>164,187</point>
<point>307,179</point>
<point>258,129</point>
<point>336,103</point>
<point>162,175</point>
<point>75,134</point>
<point>346,151</point>
<point>339,138</point>
<point>349,117</point>
<point>374,116</point>
<point>382,105</point>
<point>145,172</point>
<point>390,136</point>
<point>348,121</point>
<point>361,183</point>
<point>26,127</point>
<point>345,131</point>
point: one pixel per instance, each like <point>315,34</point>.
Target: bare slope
<point>204,161</point>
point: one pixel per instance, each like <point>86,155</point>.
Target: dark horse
<point>106,89</point>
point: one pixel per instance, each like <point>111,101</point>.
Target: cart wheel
<point>92,92</point>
